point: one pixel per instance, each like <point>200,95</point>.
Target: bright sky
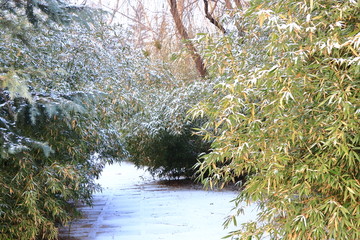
<point>125,9</point>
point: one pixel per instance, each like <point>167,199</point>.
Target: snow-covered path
<point>133,206</point>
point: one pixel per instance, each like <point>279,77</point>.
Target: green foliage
<point>45,163</point>
<point>158,135</point>
<point>286,112</point>
<point>56,132</point>
<point>167,154</point>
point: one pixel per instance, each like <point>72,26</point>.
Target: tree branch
<point>200,66</point>
<point>211,18</point>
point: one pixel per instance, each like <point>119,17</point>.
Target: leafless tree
<point>199,63</point>
<point>211,18</point>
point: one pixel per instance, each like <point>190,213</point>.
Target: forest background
<point>265,92</point>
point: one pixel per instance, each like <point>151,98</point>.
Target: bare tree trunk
<point>240,4</point>
<point>228,4</point>
<point>199,63</point>
<point>211,18</point>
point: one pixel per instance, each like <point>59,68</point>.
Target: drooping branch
<point>199,63</point>
<point>211,18</point>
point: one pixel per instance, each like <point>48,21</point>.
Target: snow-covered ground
<point>133,206</point>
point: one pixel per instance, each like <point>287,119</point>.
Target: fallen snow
<point>133,206</point>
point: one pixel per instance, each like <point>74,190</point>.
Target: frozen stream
<point>133,206</point>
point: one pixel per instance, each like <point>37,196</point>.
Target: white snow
<point>133,206</point>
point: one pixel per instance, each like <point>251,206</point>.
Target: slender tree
<point>199,63</point>
<point>211,18</point>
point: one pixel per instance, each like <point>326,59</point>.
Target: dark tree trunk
<point>211,18</point>
<point>241,4</point>
<point>199,63</point>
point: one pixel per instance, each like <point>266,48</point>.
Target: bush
<point>166,154</point>
<point>56,108</point>
<point>158,135</point>
<point>286,110</point>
